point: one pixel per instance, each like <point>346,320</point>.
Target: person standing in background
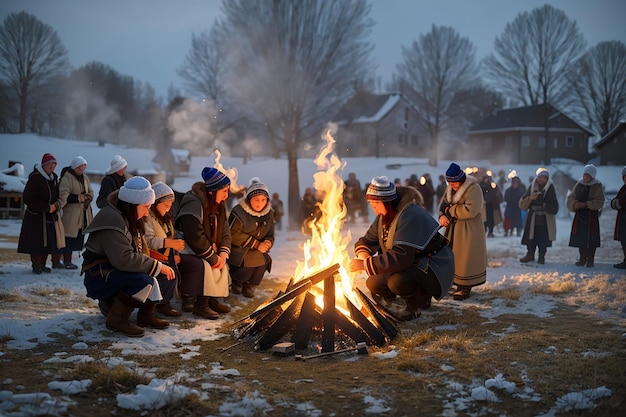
<point>540,228</point>
<point>279,211</point>
<point>426,189</point>
<point>460,213</point>
<point>585,201</point>
<point>114,179</point>
<point>619,203</point>
<point>75,195</point>
<point>512,211</point>
<point>42,230</point>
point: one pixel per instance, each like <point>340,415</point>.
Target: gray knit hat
<point>137,190</point>
<point>381,189</point>
<point>162,192</point>
<point>256,187</point>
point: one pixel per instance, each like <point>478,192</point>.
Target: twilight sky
<point>149,39</point>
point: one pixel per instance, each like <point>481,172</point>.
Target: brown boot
<point>462,292</point>
<point>105,306</point>
<point>247,290</point>
<point>218,307</point>
<point>201,308</point>
<point>167,310</point>
<point>118,317</point>
<point>147,318</point>
<point>529,257</point>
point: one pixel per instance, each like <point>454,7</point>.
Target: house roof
<point>620,127</point>
<point>520,117</point>
<point>368,108</point>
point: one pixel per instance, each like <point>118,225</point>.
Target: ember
<point>323,301</point>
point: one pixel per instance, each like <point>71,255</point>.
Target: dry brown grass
<point>548,357</point>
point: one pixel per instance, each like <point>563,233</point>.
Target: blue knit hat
<point>137,190</point>
<point>381,189</point>
<point>214,179</point>
<point>454,173</point>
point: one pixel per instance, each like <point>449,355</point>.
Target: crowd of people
<point>149,245</point>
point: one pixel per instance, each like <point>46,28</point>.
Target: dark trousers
<point>404,283</point>
<point>247,274</point>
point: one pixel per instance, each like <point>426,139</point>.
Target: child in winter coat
<point>252,230</point>
<point>164,247</point>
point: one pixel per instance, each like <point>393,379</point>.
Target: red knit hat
<point>48,158</point>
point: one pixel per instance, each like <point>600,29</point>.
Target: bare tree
<point>32,54</point>
<point>533,54</point>
<point>532,58</point>
<point>201,69</point>
<point>598,82</point>
<point>291,64</point>
<point>434,72</point>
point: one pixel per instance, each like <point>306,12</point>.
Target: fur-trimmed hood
<point>454,199</point>
<point>246,207</point>
<point>408,195</point>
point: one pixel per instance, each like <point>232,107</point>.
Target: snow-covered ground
<point>27,328</point>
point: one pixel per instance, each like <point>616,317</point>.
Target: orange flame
<point>327,246</point>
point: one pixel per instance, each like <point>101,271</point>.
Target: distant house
<point>518,136</point>
<point>175,162</point>
<point>380,125</point>
<point>612,147</point>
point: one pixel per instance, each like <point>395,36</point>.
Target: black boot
<point>413,306</point>
<point>147,318</point>
<point>542,258</point>
<point>187,303</point>
<point>105,306</point>
<point>462,292</point>
<point>37,268</point>
<point>582,260</point>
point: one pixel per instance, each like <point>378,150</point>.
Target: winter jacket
<point>76,215</point>
<point>110,241</point>
<point>109,184</point>
<point>619,203</point>
<point>40,192</point>
<point>156,232</point>
<point>585,231</point>
<point>206,235</point>
<point>248,229</point>
<point>412,238</point>
<point>466,232</point>
<point>546,205</point>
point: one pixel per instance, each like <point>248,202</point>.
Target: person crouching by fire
<point>403,252</point>
<point>116,260</point>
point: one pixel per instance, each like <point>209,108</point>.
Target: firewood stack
<point>293,315</point>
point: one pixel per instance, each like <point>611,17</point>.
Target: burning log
<point>304,326</point>
<point>329,315</point>
<point>282,325</point>
<point>383,319</point>
<point>299,288</point>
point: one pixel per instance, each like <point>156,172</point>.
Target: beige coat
<point>466,232</point>
<point>76,216</point>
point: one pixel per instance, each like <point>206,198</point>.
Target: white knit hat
<point>78,161</point>
<point>137,190</point>
<point>256,187</point>
<point>117,163</point>
<point>591,170</point>
<point>162,192</point>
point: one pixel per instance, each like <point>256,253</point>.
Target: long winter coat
<point>586,225</point>
<point>512,210</point>
<point>37,234</point>
<point>248,229</point>
<point>76,215</point>
<point>619,203</point>
<point>413,238</point>
<point>493,198</point>
<point>466,232</point>
<point>547,204</point>
<point>206,236</point>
